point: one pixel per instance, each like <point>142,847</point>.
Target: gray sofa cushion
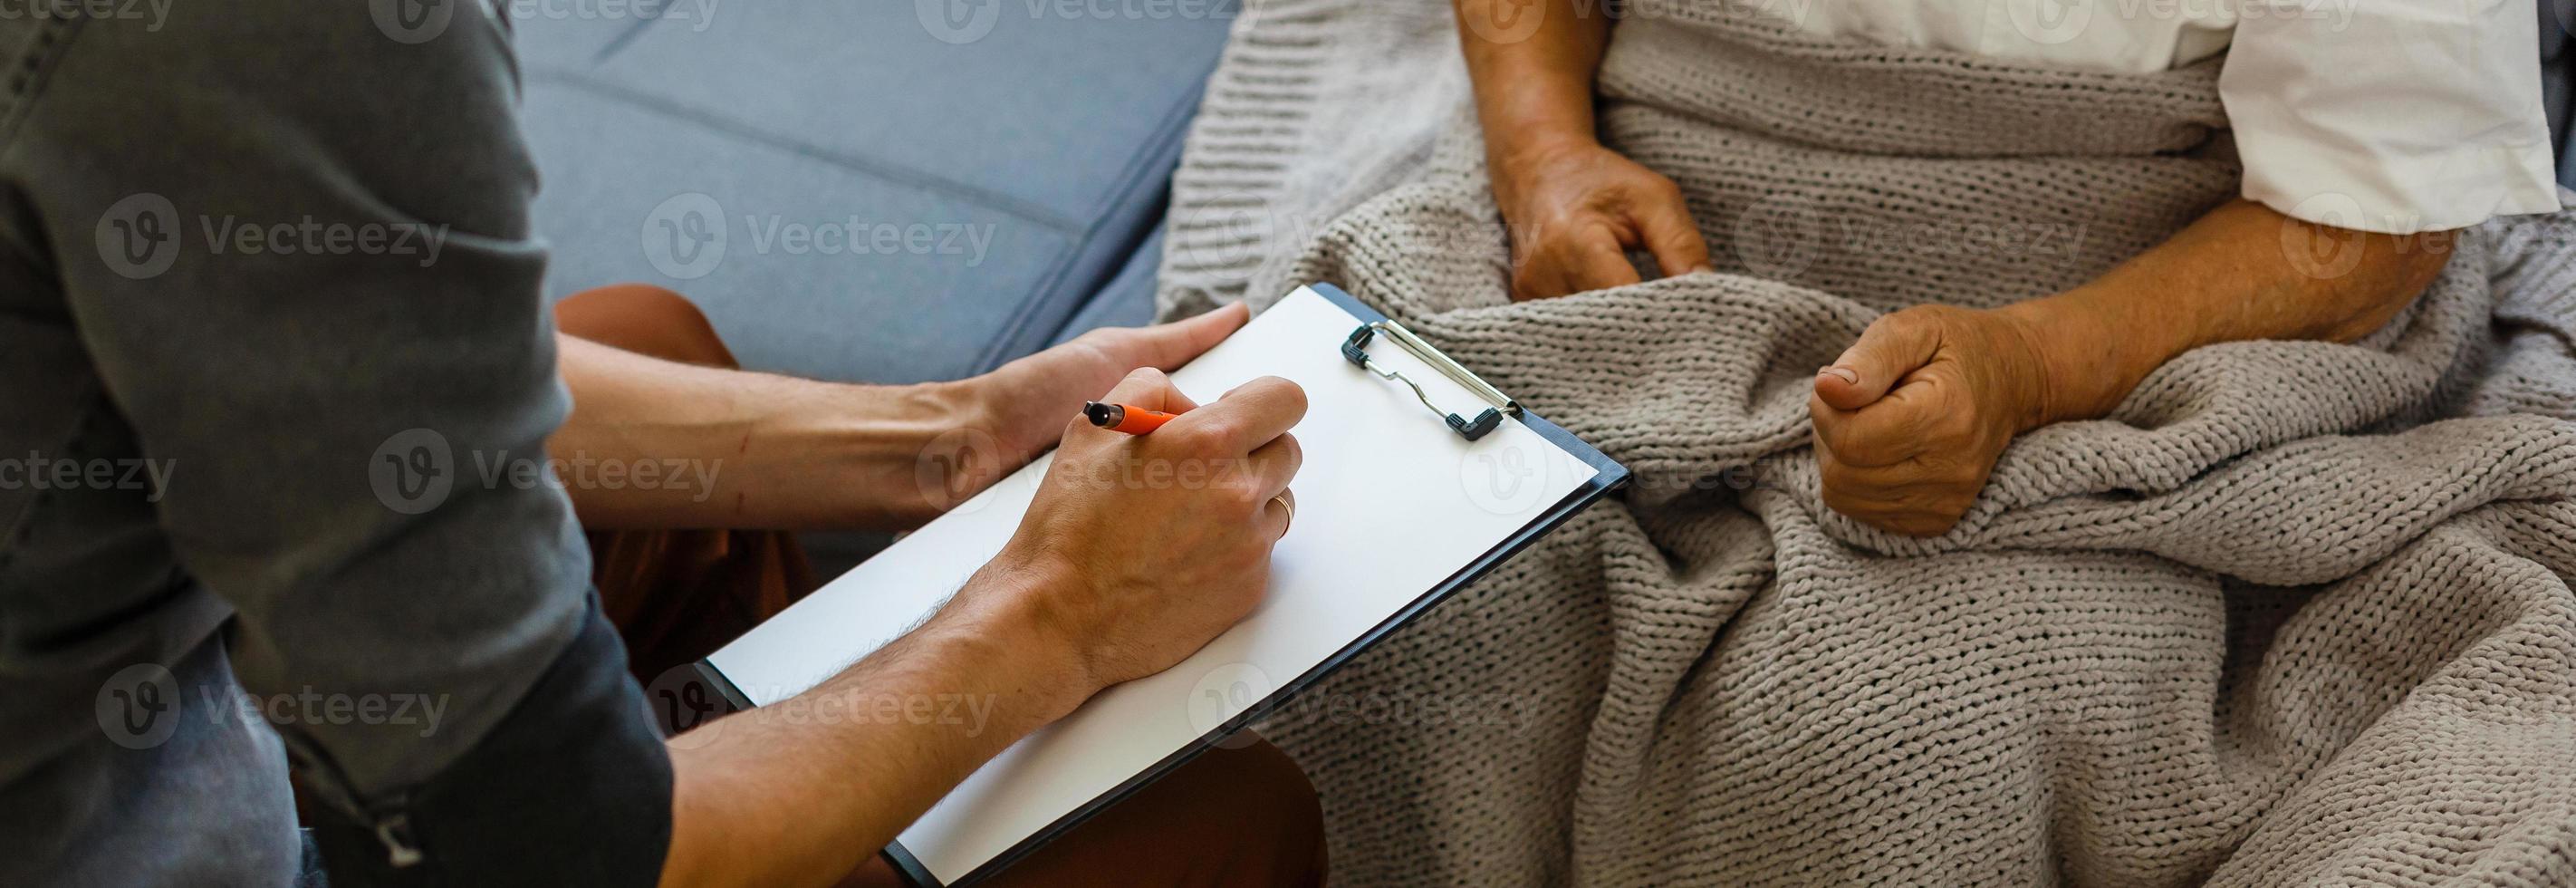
<point>1128,299</point>
<point>1002,171</point>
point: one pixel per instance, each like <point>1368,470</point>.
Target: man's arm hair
<point>822,780</point>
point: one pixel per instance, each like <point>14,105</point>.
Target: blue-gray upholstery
<point>1055,133</point>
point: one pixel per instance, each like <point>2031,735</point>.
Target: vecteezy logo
<point>413,471</point>
<point>138,707</point>
<point>684,237</point>
<point>2312,249</point>
<point>2044,22</point>
<point>1222,694</point>
<point>955,465</point>
<point>1506,479</point>
<point>1778,237</point>
<point>678,700</point>
<point>413,21</point>
<point>958,21</point>
<point>1514,21</point>
<point>138,237</point>
<point>1234,228</point>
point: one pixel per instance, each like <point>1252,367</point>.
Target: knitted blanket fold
<point>2295,613</point>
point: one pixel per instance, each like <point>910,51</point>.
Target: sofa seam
<point>899,174</point>
<point>1174,128</point>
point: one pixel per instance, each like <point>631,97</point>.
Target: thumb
<point>1671,236</point>
<point>1148,388</point>
<point>1892,346</point>
<point>1168,346</point>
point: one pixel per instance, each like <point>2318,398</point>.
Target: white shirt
<point>2396,116</point>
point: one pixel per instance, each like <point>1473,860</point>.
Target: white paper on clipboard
<point>1390,502</point>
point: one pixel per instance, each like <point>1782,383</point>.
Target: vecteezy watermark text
<point>314,237</point>
<point>1961,238</point>
<point>1225,694</point>
<point>688,236</point>
<point>153,13</point>
<point>141,706</point>
<point>581,471</point>
<point>311,707</point>
<point>967,21</point>
<point>697,14</point>
<point>680,701</point>
<point>421,21</point>
<point>860,238</point>
<point>142,235</point>
<point>416,470</point>
<point>37,471</point>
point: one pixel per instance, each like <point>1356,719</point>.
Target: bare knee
<point>1275,820</point>
<point>1302,856</point>
<point>1232,818</point>
<point>645,319</point>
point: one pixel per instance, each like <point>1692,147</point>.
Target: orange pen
<point>1124,418</point>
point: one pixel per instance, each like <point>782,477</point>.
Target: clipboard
<point>1400,369</point>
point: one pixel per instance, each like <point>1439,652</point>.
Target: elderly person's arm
<point>1910,420</point>
<point>2388,115</point>
<point>1573,207</point>
<point>2413,120</point>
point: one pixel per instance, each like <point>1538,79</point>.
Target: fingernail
<point>1845,374</point>
<point>1702,269</point>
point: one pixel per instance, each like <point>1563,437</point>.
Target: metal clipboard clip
<point>1355,350</point>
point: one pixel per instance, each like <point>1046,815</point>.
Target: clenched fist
<point>1910,420</point>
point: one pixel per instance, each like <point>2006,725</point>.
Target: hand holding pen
<point>1145,572</point>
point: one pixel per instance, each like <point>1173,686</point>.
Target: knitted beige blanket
<point>2296,613</point>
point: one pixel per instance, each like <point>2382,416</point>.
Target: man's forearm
<point>2230,276</point>
<point>815,784</point>
<point>1100,584</point>
<point>659,444</point>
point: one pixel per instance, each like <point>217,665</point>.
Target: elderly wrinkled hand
<point>1575,211</point>
<point>1909,421</point>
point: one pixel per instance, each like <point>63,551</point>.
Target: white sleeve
<point>2395,116</point>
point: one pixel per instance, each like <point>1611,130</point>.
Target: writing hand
<point>1147,546</point>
